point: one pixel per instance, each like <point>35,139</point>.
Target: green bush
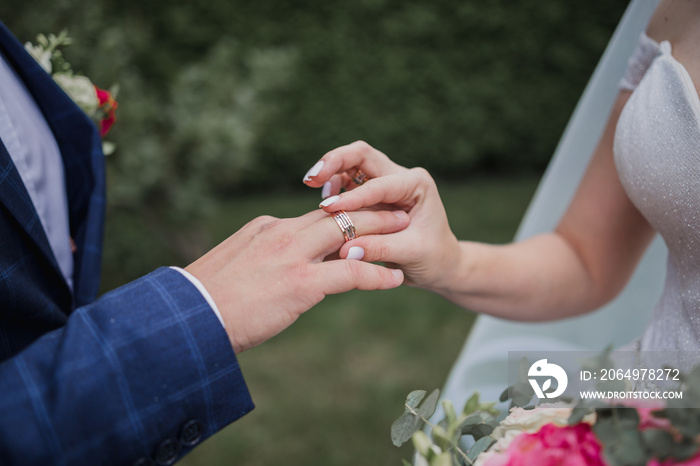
<point>225,96</point>
<point>452,85</point>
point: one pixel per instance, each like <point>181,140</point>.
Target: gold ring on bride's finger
<point>359,178</point>
<point>345,224</point>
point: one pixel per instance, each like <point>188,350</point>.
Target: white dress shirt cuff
<point>202,290</point>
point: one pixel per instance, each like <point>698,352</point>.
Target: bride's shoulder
<point>675,21</point>
<point>678,22</point>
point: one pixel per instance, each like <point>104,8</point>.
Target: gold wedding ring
<point>359,178</point>
<point>345,224</point>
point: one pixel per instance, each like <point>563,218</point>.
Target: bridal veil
<point>482,363</point>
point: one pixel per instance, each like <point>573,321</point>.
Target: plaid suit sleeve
<point>137,377</point>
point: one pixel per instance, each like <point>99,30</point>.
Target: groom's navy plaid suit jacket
<point>139,375</point>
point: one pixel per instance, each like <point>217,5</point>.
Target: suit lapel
<point>80,147</point>
<point>14,196</point>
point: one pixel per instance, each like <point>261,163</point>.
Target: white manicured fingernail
<point>313,171</point>
<point>326,190</point>
<point>329,201</point>
<point>397,273</point>
<point>355,253</point>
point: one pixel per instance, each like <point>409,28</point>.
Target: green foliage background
<point>224,105</point>
<point>229,96</point>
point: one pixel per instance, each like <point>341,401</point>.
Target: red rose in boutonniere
<point>100,105</point>
<point>108,106</point>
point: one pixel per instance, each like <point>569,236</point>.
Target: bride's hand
<point>427,251</point>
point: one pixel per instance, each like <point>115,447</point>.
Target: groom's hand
<point>272,270</point>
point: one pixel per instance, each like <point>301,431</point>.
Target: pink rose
<point>552,445</point>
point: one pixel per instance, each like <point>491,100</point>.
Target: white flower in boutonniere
<point>99,104</point>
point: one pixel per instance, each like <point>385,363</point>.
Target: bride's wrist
<point>453,274</point>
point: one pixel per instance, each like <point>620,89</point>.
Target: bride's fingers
<point>403,190</point>
<point>341,182</point>
<point>333,186</point>
<point>326,235</point>
<point>349,158</point>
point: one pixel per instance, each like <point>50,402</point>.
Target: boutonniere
<point>99,104</point>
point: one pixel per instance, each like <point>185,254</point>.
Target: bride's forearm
<point>542,278</point>
<point>584,263</point>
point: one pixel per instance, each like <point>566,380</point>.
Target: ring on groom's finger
<point>345,224</point>
<point>359,178</point>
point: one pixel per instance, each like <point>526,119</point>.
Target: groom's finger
<point>348,159</point>
<point>339,276</point>
<point>326,235</point>
<point>380,248</point>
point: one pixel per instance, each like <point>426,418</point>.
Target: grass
<point>327,389</point>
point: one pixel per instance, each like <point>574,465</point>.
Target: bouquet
<point>569,432</point>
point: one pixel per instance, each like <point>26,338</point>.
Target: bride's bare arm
<point>582,264</point>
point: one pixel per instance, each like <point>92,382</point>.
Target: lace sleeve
<point>647,49</point>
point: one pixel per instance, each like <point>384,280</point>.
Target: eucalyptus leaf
<point>481,430</point>
<point>577,415</point>
<point>449,409</point>
<point>427,407</point>
<point>622,417</point>
<point>479,447</point>
<point>623,443</point>
<point>628,416</point>
<point>681,419</point>
<point>684,450</point>
<point>605,428</point>
<point>629,449</point>
<point>404,427</point>
<point>418,409</point>
<point>415,397</point>
<point>442,438</point>
<point>493,422</point>
<point>421,443</point>
<point>523,369</point>
<point>472,404</point>
<point>470,422</point>
<point>421,461</point>
<point>505,396</point>
<point>490,408</point>
<point>659,442</point>
<point>687,420</point>
<point>522,394</point>
<point>443,459</point>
